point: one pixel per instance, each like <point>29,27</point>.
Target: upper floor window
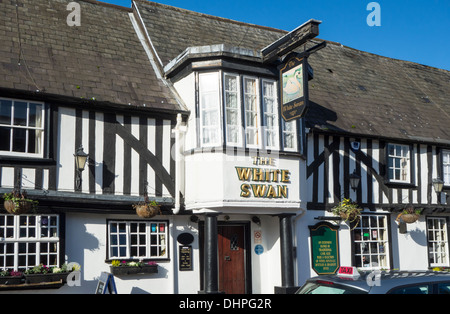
<point>21,128</point>
<point>210,134</point>
<point>247,107</point>
<point>399,163</point>
<point>446,166</point>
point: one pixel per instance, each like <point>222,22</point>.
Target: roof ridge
<point>210,16</point>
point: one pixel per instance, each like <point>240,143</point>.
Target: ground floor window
<point>437,241</point>
<point>371,242</point>
<point>137,239</point>
<point>29,240</point>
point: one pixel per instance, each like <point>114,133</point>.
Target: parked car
<point>349,280</point>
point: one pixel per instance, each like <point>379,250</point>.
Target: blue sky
<point>413,30</point>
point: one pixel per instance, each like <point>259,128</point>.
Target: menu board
<point>324,248</point>
<point>185,257</point>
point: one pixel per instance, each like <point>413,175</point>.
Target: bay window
<point>247,107</point>
<point>21,128</point>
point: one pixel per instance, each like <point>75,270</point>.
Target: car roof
<point>388,279</point>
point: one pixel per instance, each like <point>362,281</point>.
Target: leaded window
<point>137,240</point>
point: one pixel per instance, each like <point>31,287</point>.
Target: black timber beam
<point>290,41</point>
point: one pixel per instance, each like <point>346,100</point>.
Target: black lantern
<point>354,180</point>
<point>438,185</point>
<point>80,163</point>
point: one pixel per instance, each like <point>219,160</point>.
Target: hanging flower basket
<point>147,210</point>
<point>16,203</point>
<point>409,215</point>
<point>348,211</point>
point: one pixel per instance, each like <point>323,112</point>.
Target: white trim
<point>258,112</point>
<point>239,110</point>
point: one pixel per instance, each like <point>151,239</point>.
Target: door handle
<point>227,258</point>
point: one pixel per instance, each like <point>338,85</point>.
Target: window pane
<point>5,111</point>
<point>35,115</point>
<point>5,136</point>
<point>20,113</point>
<point>209,109</point>
<point>19,140</point>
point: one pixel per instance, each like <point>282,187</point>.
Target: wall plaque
<point>185,257</point>
<point>324,248</point>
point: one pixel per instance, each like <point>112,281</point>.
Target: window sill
<point>400,185</point>
<point>26,160</point>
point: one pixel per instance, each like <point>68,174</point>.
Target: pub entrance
<point>233,255</point>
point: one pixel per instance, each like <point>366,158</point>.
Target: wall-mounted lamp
<point>438,185</point>
<point>354,180</point>
<point>80,163</point>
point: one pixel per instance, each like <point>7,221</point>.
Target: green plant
<point>411,213</point>
<point>19,199</point>
<point>117,263</point>
<point>44,269</point>
<point>348,210</point>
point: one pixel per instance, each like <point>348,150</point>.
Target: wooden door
<point>231,259</point>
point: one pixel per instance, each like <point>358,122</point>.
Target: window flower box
<point>11,278</point>
<point>42,273</point>
<point>50,277</point>
<point>132,268</point>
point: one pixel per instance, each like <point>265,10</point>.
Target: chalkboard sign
<point>185,257</point>
<point>106,282</point>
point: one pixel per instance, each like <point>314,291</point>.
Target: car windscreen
<point>328,287</point>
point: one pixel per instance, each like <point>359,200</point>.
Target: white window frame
<point>292,133</point>
<point>275,110</point>
<point>213,109</point>
<point>257,127</point>
<point>27,128</point>
<point>437,238</point>
<point>404,170</point>
<point>20,235</point>
<point>238,126</point>
<point>371,242</point>
<point>161,237</point>
<point>446,166</point>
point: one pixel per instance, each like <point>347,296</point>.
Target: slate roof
<point>101,59</point>
<point>353,92</point>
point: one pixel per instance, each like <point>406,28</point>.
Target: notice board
<point>324,248</point>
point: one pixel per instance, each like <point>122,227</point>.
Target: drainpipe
<point>179,132</point>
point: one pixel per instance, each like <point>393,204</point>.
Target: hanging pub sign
<point>294,87</point>
<point>324,248</point>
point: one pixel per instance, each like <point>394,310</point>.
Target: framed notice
<point>294,88</point>
<point>185,258</point>
<point>324,248</point>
